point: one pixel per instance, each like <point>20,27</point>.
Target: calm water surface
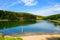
<point>43,26</point>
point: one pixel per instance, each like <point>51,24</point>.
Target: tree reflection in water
<point>9,24</point>
<point>55,23</point>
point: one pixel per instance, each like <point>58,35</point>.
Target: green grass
<point>1,37</point>
<point>19,39</point>
<point>9,38</point>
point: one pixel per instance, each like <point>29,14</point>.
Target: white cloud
<point>7,5</point>
<point>29,2</point>
<point>57,7</point>
<point>14,3</point>
<point>47,11</point>
<point>26,2</point>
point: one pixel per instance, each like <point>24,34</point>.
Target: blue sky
<point>38,7</point>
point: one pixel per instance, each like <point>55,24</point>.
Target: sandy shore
<point>40,37</point>
<point>32,36</point>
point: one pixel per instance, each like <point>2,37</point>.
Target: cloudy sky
<point>38,7</point>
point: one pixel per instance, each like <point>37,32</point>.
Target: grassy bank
<point>57,21</point>
<point>28,36</point>
<point>2,37</point>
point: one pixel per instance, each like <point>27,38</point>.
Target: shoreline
<point>57,21</point>
<point>40,36</point>
<point>31,34</point>
<point>37,37</point>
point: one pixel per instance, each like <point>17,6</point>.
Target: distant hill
<point>14,16</point>
<point>8,15</point>
<point>53,17</point>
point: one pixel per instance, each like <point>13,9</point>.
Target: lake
<point>40,26</point>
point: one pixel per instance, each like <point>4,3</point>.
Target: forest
<point>15,16</point>
<point>53,17</point>
<point>23,16</point>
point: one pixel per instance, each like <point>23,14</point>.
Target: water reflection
<point>56,24</point>
<point>9,24</point>
<point>17,27</point>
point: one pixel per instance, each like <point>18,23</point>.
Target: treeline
<point>53,17</point>
<point>14,16</point>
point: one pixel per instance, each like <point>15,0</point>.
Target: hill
<point>53,17</point>
<point>14,16</point>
